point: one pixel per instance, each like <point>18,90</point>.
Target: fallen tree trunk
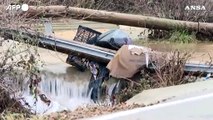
<point>120,18</point>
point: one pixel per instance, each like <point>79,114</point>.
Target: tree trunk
<point>120,18</point>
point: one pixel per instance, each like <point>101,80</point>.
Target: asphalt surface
<point>193,108</point>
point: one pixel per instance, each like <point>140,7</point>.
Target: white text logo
<point>23,7</point>
<point>195,7</point>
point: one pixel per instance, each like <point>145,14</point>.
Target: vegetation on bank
<point>176,36</point>
<point>182,36</point>
<point>168,72</point>
<point>19,64</point>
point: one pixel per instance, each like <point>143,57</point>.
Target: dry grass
<point>169,71</point>
<point>18,60</point>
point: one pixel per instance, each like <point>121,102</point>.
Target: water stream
<point>67,91</point>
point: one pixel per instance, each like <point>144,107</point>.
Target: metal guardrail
<point>90,51</point>
<point>189,67</point>
<point>108,55</point>
<point>95,53</point>
<point>196,68</point>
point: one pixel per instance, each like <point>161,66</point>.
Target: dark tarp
<point>96,81</point>
<point>112,39</point>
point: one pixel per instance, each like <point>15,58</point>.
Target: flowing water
<point>64,85</point>
<point>67,91</point>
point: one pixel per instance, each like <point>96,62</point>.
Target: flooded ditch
<point>67,88</point>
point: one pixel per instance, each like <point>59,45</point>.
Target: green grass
<point>182,36</point>
<point>177,36</point>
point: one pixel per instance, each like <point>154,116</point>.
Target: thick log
<point>120,18</point>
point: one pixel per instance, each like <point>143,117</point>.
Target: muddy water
<point>200,52</point>
<point>66,87</point>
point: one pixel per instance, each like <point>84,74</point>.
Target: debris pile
<point>113,39</point>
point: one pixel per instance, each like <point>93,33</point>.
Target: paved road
<point>173,92</point>
<point>195,108</point>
